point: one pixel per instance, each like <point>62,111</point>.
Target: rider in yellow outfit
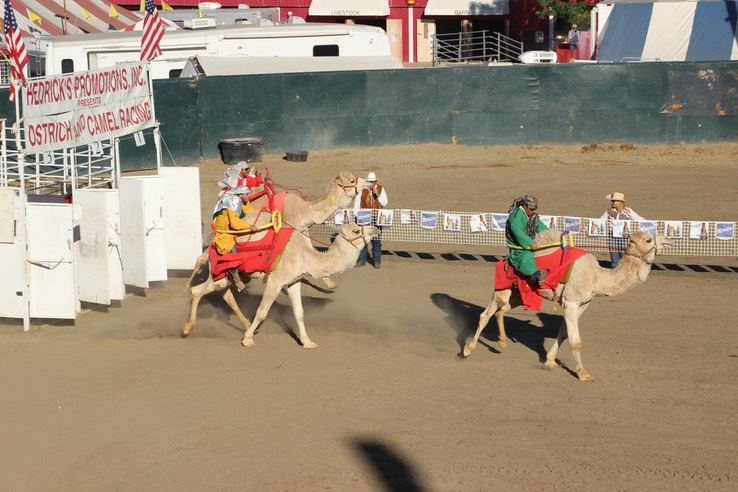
<point>227,218</point>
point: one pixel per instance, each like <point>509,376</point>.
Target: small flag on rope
<point>153,31</point>
<point>86,14</point>
<point>165,6</point>
<point>33,16</point>
<point>16,49</point>
<point>113,13</point>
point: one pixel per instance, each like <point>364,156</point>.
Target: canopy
<point>355,8</point>
<point>659,30</point>
<point>467,7</point>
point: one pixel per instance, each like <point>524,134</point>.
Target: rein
<point>642,257</point>
<point>270,178</point>
<point>351,241</point>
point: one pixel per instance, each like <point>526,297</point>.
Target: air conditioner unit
<point>199,23</point>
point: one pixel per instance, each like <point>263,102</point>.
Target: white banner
<point>63,93</point>
<point>86,107</point>
<point>88,125</point>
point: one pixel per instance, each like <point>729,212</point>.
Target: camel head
<point>356,234</point>
<point>350,183</point>
<point>645,247</point>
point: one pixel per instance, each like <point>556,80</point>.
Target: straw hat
<point>371,176</point>
<point>616,196</point>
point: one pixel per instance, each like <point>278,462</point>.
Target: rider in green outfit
<point>521,229</point>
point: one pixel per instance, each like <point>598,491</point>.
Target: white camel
<point>587,281</point>
<point>300,213</point>
<point>299,259</point>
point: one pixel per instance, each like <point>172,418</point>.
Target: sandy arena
<point>118,401</point>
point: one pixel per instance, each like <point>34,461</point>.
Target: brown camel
<point>299,258</point>
<point>587,281</point>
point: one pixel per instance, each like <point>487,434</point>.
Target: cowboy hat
<point>616,196</point>
<point>371,176</point>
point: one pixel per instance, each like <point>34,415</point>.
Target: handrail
<point>475,46</point>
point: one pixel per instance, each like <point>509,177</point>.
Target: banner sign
<point>86,107</point>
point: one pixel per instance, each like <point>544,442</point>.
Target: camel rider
<point>227,216</point>
<point>254,178</point>
<point>521,229</point>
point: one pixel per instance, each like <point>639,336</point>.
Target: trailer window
<point>325,50</point>
<point>174,74</point>
<point>67,65</point>
<point>36,65</point>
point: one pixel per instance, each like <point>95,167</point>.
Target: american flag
<point>16,48</point>
<point>153,31</point>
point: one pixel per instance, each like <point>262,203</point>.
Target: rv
<point>56,55</point>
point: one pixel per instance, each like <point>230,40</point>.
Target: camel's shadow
<point>463,318</point>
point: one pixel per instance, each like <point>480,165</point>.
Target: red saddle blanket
<point>253,255</point>
<point>555,263</point>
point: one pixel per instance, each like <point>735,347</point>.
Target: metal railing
<point>4,72</point>
<point>475,46</point>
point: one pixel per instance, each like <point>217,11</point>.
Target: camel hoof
<point>186,329</point>
<point>247,342</point>
<point>503,344</point>
<point>310,345</point>
<point>549,366</point>
<point>468,349</point>
<point>584,375</point>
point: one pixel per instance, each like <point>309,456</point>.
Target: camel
<point>587,281</point>
<point>301,214</point>
<point>299,259</point>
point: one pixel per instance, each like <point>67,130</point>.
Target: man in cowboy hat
<point>618,211</point>
<point>374,197</point>
<point>520,231</point>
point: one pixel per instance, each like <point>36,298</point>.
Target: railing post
<point>458,49</point>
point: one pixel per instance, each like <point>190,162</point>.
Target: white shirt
<point>626,214</point>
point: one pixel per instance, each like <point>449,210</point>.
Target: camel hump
<point>548,236</point>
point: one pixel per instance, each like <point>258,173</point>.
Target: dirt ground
<point>117,401</point>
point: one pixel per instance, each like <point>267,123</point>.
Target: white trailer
<point>56,55</point>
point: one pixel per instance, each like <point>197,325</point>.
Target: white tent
<point>670,30</point>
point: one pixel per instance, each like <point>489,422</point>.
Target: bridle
<point>643,256</point>
<point>348,187</point>
<point>354,239</point>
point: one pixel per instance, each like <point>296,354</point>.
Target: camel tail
<point>201,261</point>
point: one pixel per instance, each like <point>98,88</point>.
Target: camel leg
<point>293,291</point>
<point>230,299</point>
<point>497,297</point>
<point>506,301</point>
<point>198,292</point>
<point>270,295</point>
<point>199,263</point>
<point>551,354</point>
<point>570,329</point>
<point>571,316</point>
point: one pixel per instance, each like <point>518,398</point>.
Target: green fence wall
<point>643,103</point>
